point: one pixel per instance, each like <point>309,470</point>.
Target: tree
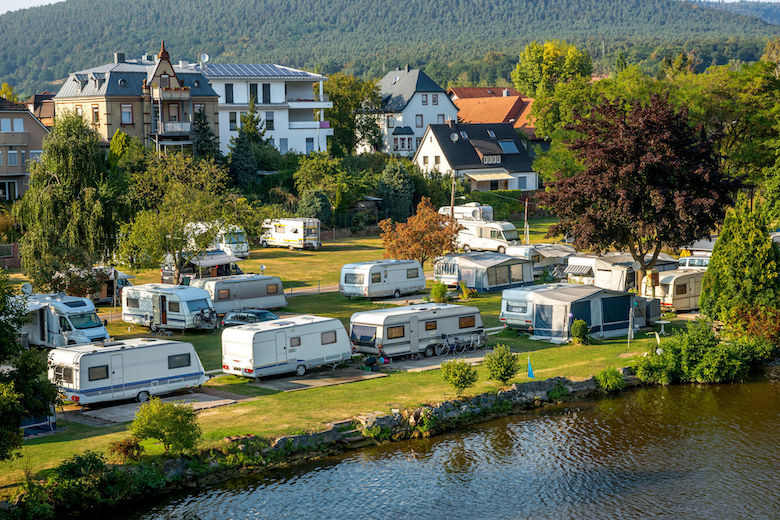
<point>396,190</point>
<point>649,181</point>
<point>317,171</point>
<point>620,63</point>
<point>745,265</point>
<point>315,204</point>
<point>541,66</point>
<point>175,425</point>
<point>8,93</point>
<point>353,114</point>
<point>251,151</point>
<point>423,236</point>
<point>205,144</point>
<point>501,364</point>
<point>459,375</point>
<point>772,55</point>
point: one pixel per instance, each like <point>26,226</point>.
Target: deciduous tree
<point>541,66</point>
<point>352,117</point>
<point>8,93</point>
<point>315,204</point>
<point>175,425</point>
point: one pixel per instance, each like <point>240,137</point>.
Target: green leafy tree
<point>459,375</point>
<point>542,66</point>
<point>8,93</point>
<point>127,155</point>
<point>501,364</point>
<point>175,425</point>
<point>396,190</point>
<point>317,171</point>
<point>352,117</point>
<point>205,144</point>
<point>315,204</point>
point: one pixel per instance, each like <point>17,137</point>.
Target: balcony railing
<point>14,138</point>
<point>308,125</point>
<point>171,94</point>
<point>171,128</point>
<point>311,99</point>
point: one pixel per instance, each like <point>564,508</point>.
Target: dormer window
<point>165,81</point>
<point>491,159</point>
<point>463,134</point>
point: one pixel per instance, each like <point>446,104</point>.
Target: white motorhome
<point>166,306</point>
<point>487,236</point>
<point>414,329</point>
<point>294,233</point>
<point>469,212</point>
<point>58,320</point>
<point>230,238</point>
<point>381,278</point>
<point>678,290</point>
<point>694,262</point>
<point>294,344</point>
<point>135,368</point>
<point>229,293</point>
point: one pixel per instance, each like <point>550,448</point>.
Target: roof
<point>10,106</point>
<point>91,348</point>
<point>461,153</point>
<point>256,70</point>
<point>667,277</point>
<point>235,278</point>
<point>180,290</point>
<point>491,109</point>
<point>398,87</point>
<point>704,244</point>
<point>403,130</point>
<point>281,323</point>
<point>480,92</point>
<point>557,292</point>
<point>379,315</point>
<point>388,261</point>
<point>482,259</point>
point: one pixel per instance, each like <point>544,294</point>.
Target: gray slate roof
<point>398,86</point>
<point>257,70</point>
<point>462,153</point>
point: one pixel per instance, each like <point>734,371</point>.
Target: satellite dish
<point>204,57</point>
<point>26,288</point>
<point>454,136</point>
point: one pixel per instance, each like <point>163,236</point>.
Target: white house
<point>410,102</point>
<point>492,155</point>
<point>286,99</point>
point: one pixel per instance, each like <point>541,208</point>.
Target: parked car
<point>244,316</point>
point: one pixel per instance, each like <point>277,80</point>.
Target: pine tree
<point>396,190</point>
<point>205,143</point>
<point>315,204</point>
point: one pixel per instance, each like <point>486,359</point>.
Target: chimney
<point>119,57</point>
<point>407,67</point>
<point>146,57</point>
<point>506,92</point>
<point>183,63</point>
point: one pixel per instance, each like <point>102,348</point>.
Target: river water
<point>707,452</point>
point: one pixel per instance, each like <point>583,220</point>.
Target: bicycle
<point>450,345</point>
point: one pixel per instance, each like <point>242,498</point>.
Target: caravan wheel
<point>429,351</point>
<point>142,397</point>
<point>154,327</point>
<point>466,249</point>
<point>397,294</point>
<point>501,249</point>
<point>300,370</point>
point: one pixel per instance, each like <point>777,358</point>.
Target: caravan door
<point>282,352</point>
<point>414,340</point>
<point>156,310</point>
<point>117,376</point>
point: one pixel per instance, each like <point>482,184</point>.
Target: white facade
<point>423,109</point>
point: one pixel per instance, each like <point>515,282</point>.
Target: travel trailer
<point>59,320</point>
<point>382,278</point>
<point>111,288</point>
<point>613,271</point>
<point>678,290</point>
<point>483,271</point>
<point>694,262</point>
<point>135,368</point>
<point>207,264</point>
<point>472,211</point>
<point>295,344</point>
<point>487,236</point>
<point>231,239</point>
<point>549,260</point>
<point>294,233</point>
<point>229,293</point>
<point>414,329</point>
<point>165,306</point>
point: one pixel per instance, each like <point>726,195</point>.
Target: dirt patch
<point>628,355</point>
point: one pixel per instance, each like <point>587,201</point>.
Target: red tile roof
<point>513,109</point>
<point>480,92</point>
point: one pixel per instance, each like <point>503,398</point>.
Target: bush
<point>579,331</point>
<point>438,292</point>
<point>466,293</point>
<point>559,392</point>
<point>760,322</point>
<point>610,380</point>
<point>458,374</point>
<point>501,364</point>
<point>86,464</point>
<point>175,425</point>
<point>127,450</point>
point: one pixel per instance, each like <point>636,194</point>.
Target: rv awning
<point>577,269</point>
<point>211,261</point>
<point>489,176</point>
<point>34,306</point>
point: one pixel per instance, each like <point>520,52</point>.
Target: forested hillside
<point>767,11</point>
<point>363,37</point>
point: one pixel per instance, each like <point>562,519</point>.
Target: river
<point>707,452</point>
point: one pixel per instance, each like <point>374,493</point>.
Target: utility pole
<point>452,198</point>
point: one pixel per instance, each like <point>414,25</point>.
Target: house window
<point>466,322</point>
<point>395,332</point>
<point>390,122</point>
<point>425,160</point>
<point>272,288</point>
<point>98,373</point>
<point>309,144</point>
<point>430,325</point>
<point>228,93</point>
<point>494,185</point>
<point>269,120</point>
<point>12,158</point>
<point>132,303</point>
<point>5,125</point>
<point>7,190</point>
<point>198,107</point>
<point>34,155</point>
<point>435,99</point>
<point>436,160</point>
<point>223,294</point>
<point>440,118</point>
<point>295,342</point>
<point>127,114</point>
<point>328,338</point>
<point>233,116</point>
<point>412,273</point>
<point>376,278</point>
<point>23,162</point>
<point>395,144</point>
<point>174,307</point>
<point>79,112</point>
<point>253,91</point>
<point>418,120</point>
<point>266,92</point>
<point>492,134</point>
<point>179,361</point>
<point>173,113</point>
<point>418,142</point>
<point>95,115</point>
<point>522,182</point>
<point>283,146</point>
<point>18,124</point>
<point>409,143</point>
<point>463,134</point>
<point>425,99</point>
<point>165,81</point>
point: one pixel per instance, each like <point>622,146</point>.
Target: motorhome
<point>468,212</point>
<point>694,262</point>
<point>678,290</point>
<point>230,238</point>
<point>487,236</point>
<point>130,369</point>
<point>549,260</point>
<point>229,293</point>
<point>207,264</point>
<point>294,233</point>
<point>414,329</point>
<point>296,344</point>
<point>381,278</point>
<point>59,320</point>
<point>165,306</point>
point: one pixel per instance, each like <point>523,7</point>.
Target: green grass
<point>538,229</point>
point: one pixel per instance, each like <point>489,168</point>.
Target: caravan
<point>58,320</point>
<point>415,329</point>
<point>469,212</point>
<point>678,290</point>
<point>165,306</point>
<point>294,233</point>
<point>207,264</point>
<point>229,293</point>
<point>294,344</point>
<point>382,278</point>
<point>130,369</point>
<point>487,236</point>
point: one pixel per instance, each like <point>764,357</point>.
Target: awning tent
<point>579,270</point>
<point>483,271</point>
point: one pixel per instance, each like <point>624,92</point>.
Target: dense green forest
<point>767,11</point>
<point>464,41</point>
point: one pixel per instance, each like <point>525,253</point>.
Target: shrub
<point>558,392</point>
<point>501,364</point>
<point>579,331</point>
<point>175,425</point>
<point>761,321</point>
<point>127,450</point>
<point>610,380</point>
<point>458,374</point>
<point>438,292</point>
<point>466,293</point>
<point>84,465</point>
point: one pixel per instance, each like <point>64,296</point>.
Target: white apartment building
<point>288,100</point>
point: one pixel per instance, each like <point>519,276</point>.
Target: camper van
<point>164,306</point>
<point>294,344</point>
<point>487,236</point>
<point>469,212</point>
<point>414,329</point>
<point>207,264</point>
<point>59,320</point>
<point>678,290</point>
<point>131,369</point>
<point>294,233</point>
<point>382,278</point>
<point>231,239</point>
<point>694,262</point>
<point>229,293</point>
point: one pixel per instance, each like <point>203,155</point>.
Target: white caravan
<point>678,290</point>
<point>382,278</point>
<point>295,233</point>
<point>487,236</point>
<point>166,306</point>
<point>131,369</point>
<point>229,293</point>
<point>469,212</point>
<point>414,329</point>
<point>294,344</point>
<point>58,320</point>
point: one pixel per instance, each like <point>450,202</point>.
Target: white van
<point>381,278</point>
<point>131,369</point>
<point>229,293</point>
<point>694,262</point>
<point>678,290</point>
<point>487,236</point>
<point>470,211</point>
<point>58,320</point>
<point>165,306</point>
<point>294,233</point>
<point>294,344</point>
<point>414,329</point>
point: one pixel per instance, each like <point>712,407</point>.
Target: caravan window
<point>132,303</point>
<point>518,307</point>
<point>376,278</point>
<point>178,361</point>
<point>310,231</point>
<point>295,342</point>
<point>272,288</point>
<point>466,322</point>
<point>173,307</point>
<point>430,325</point>
<point>64,374</point>
<point>223,294</point>
<point>329,337</point>
<point>98,373</point>
<point>412,273</point>
<point>198,305</point>
<point>363,335</point>
<point>279,228</point>
<point>353,278</point>
<point>681,289</point>
<point>395,332</point>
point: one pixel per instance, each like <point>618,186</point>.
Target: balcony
<point>171,94</point>
<point>14,138</point>
<point>298,102</point>
<point>174,128</point>
<point>309,125</point>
